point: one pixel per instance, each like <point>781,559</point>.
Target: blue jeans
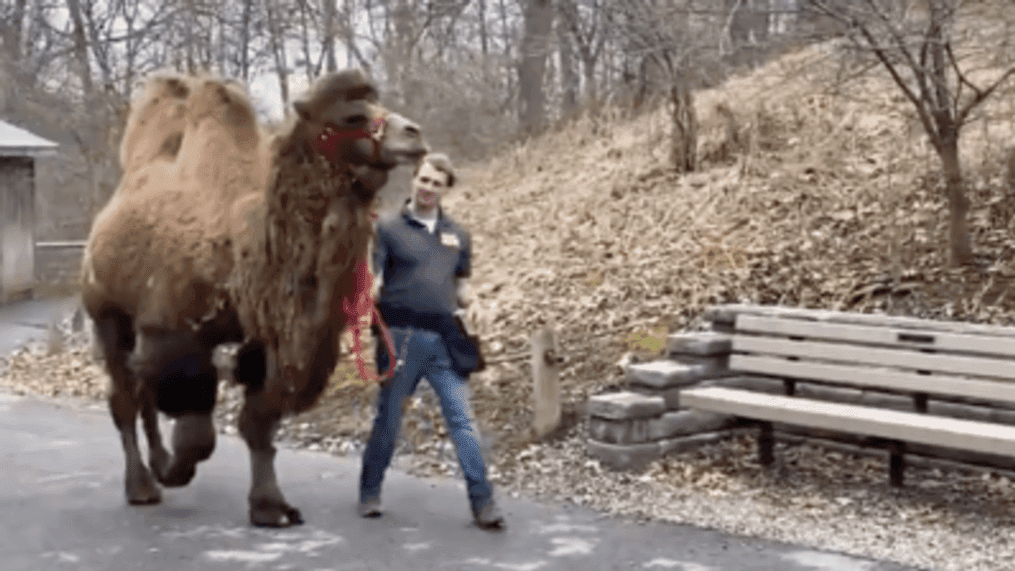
<point>424,355</point>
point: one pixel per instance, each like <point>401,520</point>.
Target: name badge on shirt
<point>450,241</point>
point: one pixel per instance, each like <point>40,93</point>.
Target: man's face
<point>428,185</point>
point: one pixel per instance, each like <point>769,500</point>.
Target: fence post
<point>546,383</point>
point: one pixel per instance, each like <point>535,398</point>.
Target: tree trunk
<point>12,32</point>
<point>684,136</point>
<point>331,64</point>
<point>538,27</point>
<point>308,59</point>
<point>245,40</point>
<point>278,49</point>
<point>960,250</point>
<point>11,77</point>
<point>484,42</point>
<point>82,66</point>
<point>568,75</point>
<point>505,27</point>
<point>400,65</point>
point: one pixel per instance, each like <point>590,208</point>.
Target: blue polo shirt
<point>419,267</point>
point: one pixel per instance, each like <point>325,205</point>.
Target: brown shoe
<point>369,507</point>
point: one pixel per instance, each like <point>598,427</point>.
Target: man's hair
<point>440,162</point>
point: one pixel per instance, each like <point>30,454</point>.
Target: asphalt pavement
<point>61,495</point>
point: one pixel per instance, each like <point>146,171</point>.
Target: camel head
<point>340,111</point>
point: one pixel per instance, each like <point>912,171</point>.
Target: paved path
<point>61,495</point>
<point>25,321</point>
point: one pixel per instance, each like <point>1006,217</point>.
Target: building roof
<point>15,141</point>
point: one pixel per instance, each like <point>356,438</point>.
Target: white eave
<point>17,142</point>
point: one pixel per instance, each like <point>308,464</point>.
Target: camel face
<point>402,141</point>
<point>355,128</point>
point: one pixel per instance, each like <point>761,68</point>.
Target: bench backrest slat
<point>903,358</point>
<point>893,379</point>
<point>727,313</point>
<point>980,344</point>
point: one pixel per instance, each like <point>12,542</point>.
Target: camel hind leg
<point>178,372</point>
<point>116,335</point>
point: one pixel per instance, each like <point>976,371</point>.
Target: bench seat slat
<point>874,378</point>
<point>906,426</point>
<point>878,357</point>
<point>939,340</point>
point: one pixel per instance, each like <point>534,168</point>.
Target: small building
<point>18,151</point>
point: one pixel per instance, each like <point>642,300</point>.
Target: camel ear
<point>223,94</point>
<point>302,109</point>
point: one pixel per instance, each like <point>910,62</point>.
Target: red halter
<point>361,303</point>
<point>327,142</point>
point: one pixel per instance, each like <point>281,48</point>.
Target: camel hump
<point>224,101</point>
<point>155,125</point>
<point>221,143</point>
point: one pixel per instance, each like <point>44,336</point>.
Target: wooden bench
<point>921,358</point>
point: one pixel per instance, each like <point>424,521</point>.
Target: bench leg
<point>920,402</point>
<point>766,443</point>
<point>896,463</point>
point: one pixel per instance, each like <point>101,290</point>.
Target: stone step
<point>625,405</point>
<point>668,425</point>
<point>699,343</point>
<point>637,456</point>
<point>668,374</point>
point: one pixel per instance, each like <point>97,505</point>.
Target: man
<point>422,259</point>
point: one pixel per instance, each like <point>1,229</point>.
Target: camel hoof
<point>143,492</point>
<point>159,463</point>
<point>178,477</point>
<point>275,516</point>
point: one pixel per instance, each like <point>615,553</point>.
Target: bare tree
<point>585,19</point>
<point>568,76</point>
<point>673,43</point>
<point>916,44</point>
<point>534,49</point>
<point>277,38</point>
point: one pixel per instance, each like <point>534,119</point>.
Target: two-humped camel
<point>219,233</point>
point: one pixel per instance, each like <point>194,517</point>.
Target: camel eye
<point>356,120</point>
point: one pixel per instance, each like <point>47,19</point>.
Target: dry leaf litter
<point>806,198</point>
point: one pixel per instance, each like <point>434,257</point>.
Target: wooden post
<point>546,384</point>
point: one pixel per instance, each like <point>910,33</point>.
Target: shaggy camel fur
<point>243,238</point>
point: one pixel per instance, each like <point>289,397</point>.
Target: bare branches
<point>918,51</point>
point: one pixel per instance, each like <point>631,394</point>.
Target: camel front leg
<point>116,338</point>
<point>267,505</point>
<point>158,456</point>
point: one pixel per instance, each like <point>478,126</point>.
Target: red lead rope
<point>360,305</point>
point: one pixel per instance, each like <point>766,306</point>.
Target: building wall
<point>17,226</point>
<point>58,263</point>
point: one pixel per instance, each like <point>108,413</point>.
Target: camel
<point>233,236</point>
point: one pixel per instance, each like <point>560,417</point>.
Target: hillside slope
<point>806,198</point>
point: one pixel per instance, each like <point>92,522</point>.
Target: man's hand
<point>462,294</point>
